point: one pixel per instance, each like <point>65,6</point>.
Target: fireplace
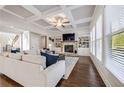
<point>69,48</point>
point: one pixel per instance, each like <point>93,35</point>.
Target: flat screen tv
<point>69,37</point>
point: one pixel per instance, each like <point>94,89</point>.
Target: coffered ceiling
<point>78,16</point>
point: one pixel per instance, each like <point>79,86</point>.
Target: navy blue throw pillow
<point>50,59</point>
<point>43,54</point>
<point>13,51</point>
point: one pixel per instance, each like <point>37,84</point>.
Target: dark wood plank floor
<point>84,74</point>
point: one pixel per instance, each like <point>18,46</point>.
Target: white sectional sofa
<point>30,70</point>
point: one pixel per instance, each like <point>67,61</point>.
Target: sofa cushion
<point>15,56</point>
<point>36,59</point>
<point>50,59</point>
<point>30,52</point>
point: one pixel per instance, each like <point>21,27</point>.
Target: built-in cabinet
<point>81,46</point>
<point>83,42</point>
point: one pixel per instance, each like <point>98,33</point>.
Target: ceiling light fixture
<point>59,23</point>
<point>59,20</point>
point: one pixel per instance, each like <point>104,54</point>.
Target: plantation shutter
<point>116,64</point>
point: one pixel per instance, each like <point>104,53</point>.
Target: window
<point>0,48</point>
<point>118,55</point>
<point>26,41</point>
<point>115,41</point>
<point>91,45</point>
<point>99,38</point>
<point>10,39</point>
<point>92,41</point>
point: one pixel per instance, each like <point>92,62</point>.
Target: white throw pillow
<point>36,59</point>
<point>15,56</point>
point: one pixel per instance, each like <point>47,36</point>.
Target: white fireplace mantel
<point>70,43</point>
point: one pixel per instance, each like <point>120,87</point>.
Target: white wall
<point>38,41</point>
<point>50,44</point>
<point>52,34</point>
<point>35,41</point>
<point>43,41</point>
<point>107,76</point>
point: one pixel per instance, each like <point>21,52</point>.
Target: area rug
<point>70,63</point>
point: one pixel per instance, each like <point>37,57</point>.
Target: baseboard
<point>100,72</point>
<point>108,78</point>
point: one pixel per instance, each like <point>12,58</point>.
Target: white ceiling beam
<point>84,20</point>
<point>37,14</point>
<point>35,11</point>
<point>49,27</point>
<point>75,6</point>
<point>60,29</point>
<point>53,11</point>
<point>12,13</point>
<point>32,9</point>
<point>33,18</point>
<point>84,27</point>
<point>69,15</point>
<point>95,10</point>
<point>40,26</point>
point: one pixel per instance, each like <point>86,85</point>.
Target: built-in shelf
<point>83,42</point>
<point>58,41</point>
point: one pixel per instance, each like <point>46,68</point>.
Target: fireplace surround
<point>69,48</point>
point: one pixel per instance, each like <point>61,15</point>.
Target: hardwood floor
<point>84,74</point>
<point>7,82</point>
